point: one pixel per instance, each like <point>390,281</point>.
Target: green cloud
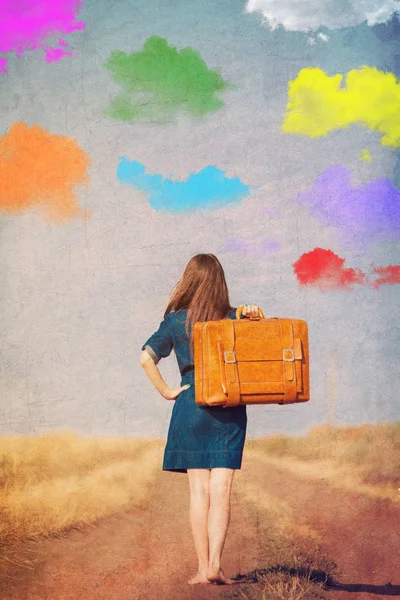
<point>159,81</point>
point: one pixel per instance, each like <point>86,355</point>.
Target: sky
<point>132,138</point>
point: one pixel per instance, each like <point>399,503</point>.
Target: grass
<point>55,481</point>
<point>284,584</point>
<point>369,453</point>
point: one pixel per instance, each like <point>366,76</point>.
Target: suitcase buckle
<point>226,356</point>
<point>288,354</point>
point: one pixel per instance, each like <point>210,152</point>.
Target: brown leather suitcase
<point>251,361</point>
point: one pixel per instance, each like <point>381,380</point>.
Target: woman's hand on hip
<point>172,394</point>
<point>250,310</point>
<point>153,373</point>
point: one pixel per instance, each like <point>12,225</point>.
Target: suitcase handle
<point>239,311</point>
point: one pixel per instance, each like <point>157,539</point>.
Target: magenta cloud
<point>28,26</point>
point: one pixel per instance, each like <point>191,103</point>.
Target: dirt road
<point>361,534</point>
<point>146,553</point>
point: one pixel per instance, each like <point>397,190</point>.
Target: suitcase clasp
<point>228,360</point>
<point>288,355</point>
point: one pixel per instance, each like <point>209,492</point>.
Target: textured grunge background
<point>136,134</point>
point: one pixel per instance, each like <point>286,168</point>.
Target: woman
<point>205,442</point>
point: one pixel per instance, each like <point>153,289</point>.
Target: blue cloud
<point>208,189</point>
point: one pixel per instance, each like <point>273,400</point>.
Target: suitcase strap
<point>232,375</point>
<point>288,357</point>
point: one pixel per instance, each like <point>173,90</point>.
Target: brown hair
<point>202,290</point>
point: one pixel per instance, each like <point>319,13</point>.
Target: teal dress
<point>198,437</point>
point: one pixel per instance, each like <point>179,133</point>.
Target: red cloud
<point>324,269</point>
<point>389,274</point>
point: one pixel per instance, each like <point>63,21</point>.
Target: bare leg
<point>199,485</point>
<point>218,521</point>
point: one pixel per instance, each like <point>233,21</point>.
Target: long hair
<point>202,290</point>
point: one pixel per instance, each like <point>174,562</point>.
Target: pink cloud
<point>26,26</point>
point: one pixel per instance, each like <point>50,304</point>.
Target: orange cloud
<point>40,169</point>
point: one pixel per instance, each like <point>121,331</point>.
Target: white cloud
<point>310,15</point>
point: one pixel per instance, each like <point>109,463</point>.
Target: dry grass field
<point>51,482</point>
<point>60,484</point>
<point>364,458</point>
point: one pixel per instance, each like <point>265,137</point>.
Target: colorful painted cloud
<point>389,274</point>
<point>208,189</point>
<point>310,15</point>
<point>318,104</point>
<point>249,248</point>
<point>360,213</point>
<point>27,25</point>
<point>159,81</point>
<point>325,270</point>
<point>39,169</point>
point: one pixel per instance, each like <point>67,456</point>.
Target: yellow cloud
<point>318,104</point>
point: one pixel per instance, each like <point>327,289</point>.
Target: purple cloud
<point>269,212</point>
<point>240,245</point>
<point>360,213</point>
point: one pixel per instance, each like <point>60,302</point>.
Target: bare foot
<point>200,577</point>
<point>215,576</point>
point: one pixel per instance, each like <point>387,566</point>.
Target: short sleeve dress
<point>198,437</point>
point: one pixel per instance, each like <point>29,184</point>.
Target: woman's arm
<point>153,373</point>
